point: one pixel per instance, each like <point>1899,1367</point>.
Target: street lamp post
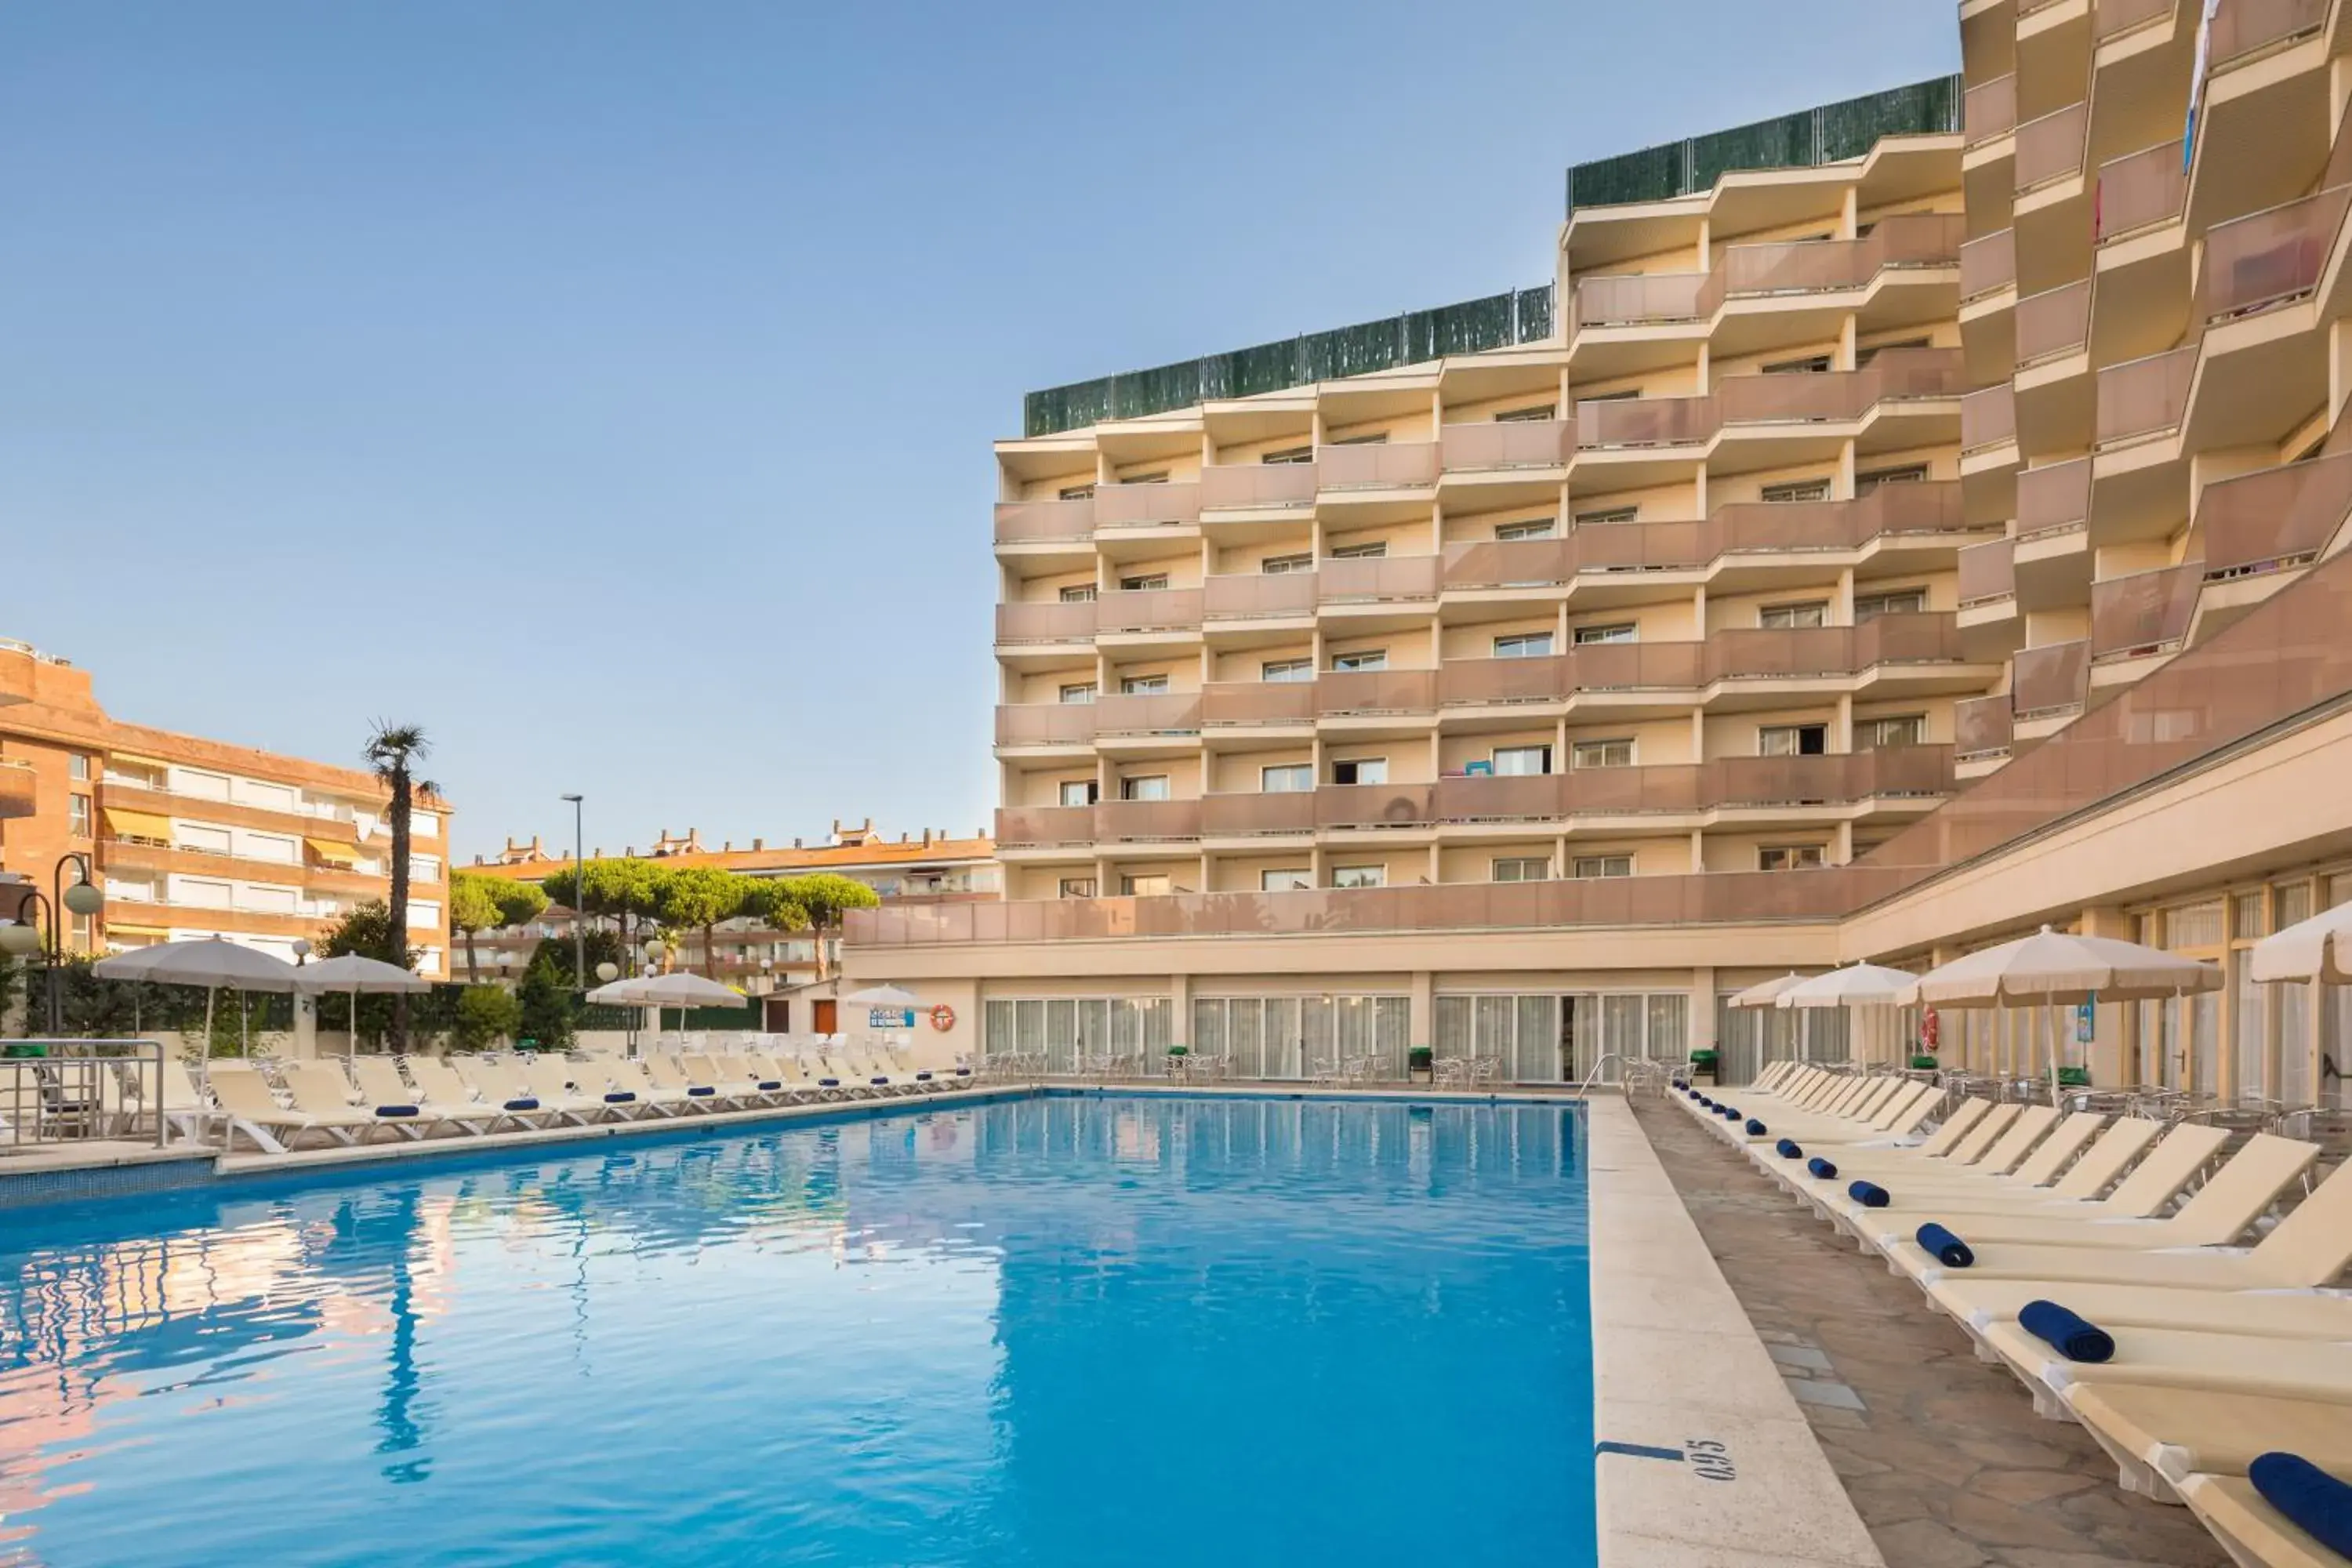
<point>26,940</point>
<point>578,898</point>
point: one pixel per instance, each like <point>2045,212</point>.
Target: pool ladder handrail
<point>1584,1089</point>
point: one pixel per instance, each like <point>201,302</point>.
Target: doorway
<point>824,1016</point>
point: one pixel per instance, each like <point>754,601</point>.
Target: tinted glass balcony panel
<point>1045,724</point>
<point>2051,679</point>
<point>1636,300</point>
<point>1778,781</point>
<point>2144,613</point>
<point>1753,653</point>
<point>1478,682</point>
<point>1926,506</point>
<point>1375,691</point>
<point>2145,398</point>
<point>1509,563</point>
<point>1237,816</point>
<point>2117,17</point>
<point>2276,517</point>
<point>1988,572</point>
<point>1048,621</point>
<point>1147,506</point>
<point>1636,666</point>
<point>1643,422</point>
<point>1532,798</point>
<point>1787,399</point>
<point>1899,771</point>
<point>1258,702</point>
<point>1507,444</point>
<point>1981,726</point>
<point>1899,373</point>
<point>2051,149</point>
<point>1373,806</point>
<point>2244,27</point>
<point>2053,499</point>
<point>1641,546</point>
<point>2053,322</point>
<point>1045,826</point>
<point>1146,821</point>
<point>1256,486</point>
<point>1151,713</point>
<point>1378,579</point>
<point>1376,466</point>
<point>2268,259</point>
<point>1245,595</point>
<point>1625,792</point>
<point>1987,417</point>
<point>1988,265</point>
<point>1037,521</point>
<point>1747,527</point>
<point>1148,610</point>
<point>1920,636</point>
<point>2142,189</point>
<point>1989,110</point>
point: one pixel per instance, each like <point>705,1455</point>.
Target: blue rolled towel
<point>525,1104</point>
<point>1869,1194</point>
<point>1822,1168</point>
<point>2071,1335</point>
<point>1950,1249</point>
<point>1703,1099</point>
<point>1787,1149</point>
<point>621,1097</point>
<point>2319,1504</point>
<point>395,1111</point>
<point>1756,1129</point>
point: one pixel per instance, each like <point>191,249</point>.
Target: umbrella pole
<point>209,991</point>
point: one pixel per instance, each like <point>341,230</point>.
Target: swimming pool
<point>1054,1331</point>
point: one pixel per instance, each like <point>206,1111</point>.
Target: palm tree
<point>391,753</point>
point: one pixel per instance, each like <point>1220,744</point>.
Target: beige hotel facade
<point>1898,525</point>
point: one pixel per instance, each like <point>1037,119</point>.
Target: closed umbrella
<point>354,974</point>
<point>211,964</point>
<point>2317,949</point>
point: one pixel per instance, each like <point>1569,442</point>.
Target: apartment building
<point>1897,524</point>
<point>189,837</point>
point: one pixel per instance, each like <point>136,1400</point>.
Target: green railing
<point>1498,321</point>
<point>1829,134</point>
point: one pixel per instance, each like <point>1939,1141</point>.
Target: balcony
<point>2248,27</point>
<point>1637,666</point>
<point>1896,374</point>
<point>1258,596</point>
<point>1504,443</point>
<point>1765,653</point>
<point>1257,815</point>
<point>1501,682</point>
<point>1046,621</point>
<point>2142,189</point>
<point>2278,518</point>
<point>1510,564</point>
<point>1376,466</point>
<point>1989,110</point>
<point>2144,398</point>
<point>1140,610</point>
<point>1147,506</point>
<point>1045,724</point>
<point>1375,805</point>
<point>2144,613</point>
<point>2051,149</point>
<point>1386,579</point>
<point>1988,265</point>
<point>1170,714</point>
<point>1626,422</point>
<point>1635,300</point>
<point>1785,268</point>
<point>1044,521</point>
<point>2053,499</point>
<point>1988,572</point>
<point>1045,826</point>
<point>1538,797</point>
<point>2049,680</point>
<point>19,799</point>
<point>2267,259</point>
<point>1146,821</point>
<point>1244,703</point>
<point>1989,417</point>
<point>1375,691</point>
<point>1258,486</point>
<point>1981,728</point>
<point>2053,323</point>
<point>2117,17</point>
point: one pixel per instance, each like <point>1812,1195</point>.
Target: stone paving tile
<point>1942,1454</point>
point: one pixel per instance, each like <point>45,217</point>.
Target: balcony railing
<point>1988,572</point>
<point>2144,398</point>
<point>1631,300</point>
<point>1376,466</point>
<point>1929,636</point>
<point>1987,417</point>
<point>1895,375</point>
<point>1829,266</point>
<point>1258,702</point>
<point>2053,499</point>
<point>2142,189</point>
<point>1375,805</point>
<point>1253,816</point>
<point>2051,679</point>
<point>2276,517</point>
<point>1736,783</point>
<point>1491,682</point>
<point>2051,148</point>
<point>2266,259</point>
<point>1374,692</point>
<point>1045,826</point>
<point>1638,667</point>
<point>1257,595</point>
<point>2117,17</point>
<point>1045,724</point>
<point>1146,821</point>
<point>2144,613</point>
<point>1148,713</point>
<point>1378,579</point>
<point>1147,506</point>
<point>1989,110</point>
<point>2053,322</point>
<point>1643,422</point>
<point>1988,265</point>
<point>2246,27</point>
<point>1256,486</point>
<point>1506,444</point>
<point>1510,562</point>
<point>1044,521</point>
<point>1981,726</point>
<point>1050,620</point>
<point>1147,610</point>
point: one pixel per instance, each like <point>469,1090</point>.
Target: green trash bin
<point>21,1051</point>
<point>1703,1062</point>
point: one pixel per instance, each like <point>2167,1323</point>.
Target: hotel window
<point>1280,565</point>
<point>1601,754</point>
<point>77,815</point>
<point>1078,692</point>
<point>1360,770</point>
<point>77,768</point>
<point>1901,602</point>
<point>81,940</point>
<point>1290,778</point>
<point>1862,357</point>
<point>1146,885</point>
<point>1590,866</point>
<point>1798,490</point>
<point>1078,593</point>
<point>1156,477</point>
<point>1788,858</point>
<point>1359,875</point>
<point>1080,791</point>
<point>1286,671</point>
<point>1077,492</point>
<point>1899,729</point>
<point>1794,617</point>
<point>1534,528</point>
<point>1522,761</point>
<point>1285,881</point>
<point>1289,455</point>
<point>1367,658</point>
<point>1524,645</point>
<point>1523,869</point>
<point>1142,685</point>
<point>1909,474</point>
<point>1144,582</point>
<point>1377,438</point>
<point>1812,365</point>
<point>1792,739</point>
<point>1077,887</point>
<point>1585,636</point>
<point>1375,551</point>
<point>1602,517</point>
<point>1144,786</point>
<point>1533,411</point>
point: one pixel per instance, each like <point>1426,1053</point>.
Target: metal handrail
<point>1584,1089</point>
<point>50,1093</point>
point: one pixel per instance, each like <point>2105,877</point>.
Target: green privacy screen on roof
<point>1499,321</point>
<point>1828,135</point>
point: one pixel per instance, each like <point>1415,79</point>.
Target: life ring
<point>942,1017</point>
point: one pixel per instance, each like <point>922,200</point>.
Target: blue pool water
<point>1047,1332</point>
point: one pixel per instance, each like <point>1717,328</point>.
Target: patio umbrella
<point>2317,949</point>
<point>211,964</point>
<point>354,974</point>
<point>1856,985</point>
<point>883,997</point>
<point>1767,994</point>
<point>129,966</point>
<point>680,991</point>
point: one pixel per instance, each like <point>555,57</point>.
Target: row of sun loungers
<point>420,1097</point>
<point>2176,1291</point>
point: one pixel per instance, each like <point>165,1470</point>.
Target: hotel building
<point>1899,525</point>
<point>190,837</point>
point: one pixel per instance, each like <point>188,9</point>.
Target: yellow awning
<point>138,824</point>
<point>120,928</point>
<point>136,761</point>
<point>335,854</point>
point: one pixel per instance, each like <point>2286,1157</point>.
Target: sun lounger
<point>669,1072</point>
<point>632,1076</point>
<point>1896,1114</point>
<point>2176,1358</point>
<point>452,1098</point>
<point>2167,1435</point>
<point>320,1089</point>
<point>506,1095</point>
<point>2249,1529</point>
<point>548,1078</point>
<point>245,1098</point>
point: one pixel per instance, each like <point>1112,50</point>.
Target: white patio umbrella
<point>353,973</point>
<point>129,966</point>
<point>1857,985</point>
<point>2317,949</point>
<point>896,997</point>
<point>1767,994</point>
<point>211,964</point>
<point>680,991</point>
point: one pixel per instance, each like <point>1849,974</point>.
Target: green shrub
<point>486,1014</point>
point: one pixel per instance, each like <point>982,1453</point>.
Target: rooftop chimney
<point>759,844</point>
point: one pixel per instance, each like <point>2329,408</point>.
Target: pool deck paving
<point>1941,1455</point>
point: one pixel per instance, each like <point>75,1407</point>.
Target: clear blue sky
<point>607,387</point>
